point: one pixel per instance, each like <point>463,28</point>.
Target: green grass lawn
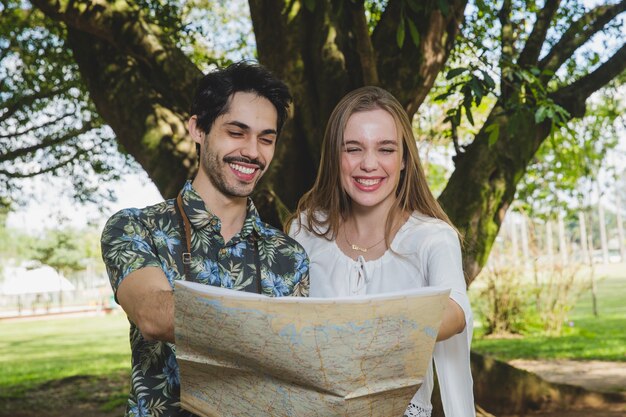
<point>589,337</point>
<point>94,351</point>
<point>35,352</point>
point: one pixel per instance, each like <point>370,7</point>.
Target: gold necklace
<point>356,247</point>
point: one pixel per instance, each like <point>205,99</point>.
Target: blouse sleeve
<point>452,356</point>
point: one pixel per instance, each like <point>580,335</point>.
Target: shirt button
<point>223,252</point>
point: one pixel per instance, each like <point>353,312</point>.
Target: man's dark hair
<point>215,89</point>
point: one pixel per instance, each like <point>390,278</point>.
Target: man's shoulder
<point>164,207</point>
<point>140,215</point>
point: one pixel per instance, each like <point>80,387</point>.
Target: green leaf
<point>494,133</point>
<point>457,117</point>
<point>468,113</point>
<point>477,89</point>
<point>488,80</point>
<point>415,36</point>
<point>414,5</point>
<point>454,72</point>
<point>443,6</point>
<point>400,34</point>
<point>540,115</point>
<point>310,5</point>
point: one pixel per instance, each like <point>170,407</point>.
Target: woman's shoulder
<point>427,224</point>
<point>319,247</point>
<point>422,231</point>
<point>308,224</point>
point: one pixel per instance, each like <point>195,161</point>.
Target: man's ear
<point>194,130</point>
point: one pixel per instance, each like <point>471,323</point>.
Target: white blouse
<point>426,252</point>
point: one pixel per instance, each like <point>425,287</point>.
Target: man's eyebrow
<point>246,128</point>
<point>240,125</point>
<point>269,132</point>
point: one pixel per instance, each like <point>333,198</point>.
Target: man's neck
<point>230,210</point>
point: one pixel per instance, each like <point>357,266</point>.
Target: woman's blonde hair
<point>327,204</point>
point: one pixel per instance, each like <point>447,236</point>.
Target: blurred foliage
<point>48,124</point>
<point>508,301</point>
<point>66,249</point>
<point>583,336</point>
<point>503,302</point>
<point>566,165</point>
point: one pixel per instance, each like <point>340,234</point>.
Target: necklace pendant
<point>360,249</point>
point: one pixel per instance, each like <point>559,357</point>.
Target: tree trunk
<point>482,186</point>
<point>525,244</point>
<point>604,245</point>
<point>324,51</point>
<point>585,255</point>
<point>620,226</point>
<point>514,244</point>
<point>550,243</point>
<point>562,241</point>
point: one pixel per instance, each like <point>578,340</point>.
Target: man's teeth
<point>367,182</point>
<point>242,169</point>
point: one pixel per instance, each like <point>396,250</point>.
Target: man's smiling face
<point>240,145</point>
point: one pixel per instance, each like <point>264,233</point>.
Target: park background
<point>518,110</point>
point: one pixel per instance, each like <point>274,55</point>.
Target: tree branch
<point>147,125</point>
<point>33,128</point>
<point>573,96</point>
<point>122,24</point>
<point>537,37</point>
<point>61,164</point>
<point>578,34</point>
<point>21,102</point>
<point>46,143</point>
<point>508,48</point>
<point>363,40</point>
<point>410,72</point>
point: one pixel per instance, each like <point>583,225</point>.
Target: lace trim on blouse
<point>418,410</point>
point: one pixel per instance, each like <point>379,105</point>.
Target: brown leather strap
<point>186,231</point>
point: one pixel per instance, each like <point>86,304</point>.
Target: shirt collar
<point>200,216</point>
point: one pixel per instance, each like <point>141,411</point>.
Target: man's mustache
<point>231,159</point>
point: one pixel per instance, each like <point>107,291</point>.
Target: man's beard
<point>215,170</point>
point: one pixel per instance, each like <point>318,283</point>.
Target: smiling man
<point>211,233</point>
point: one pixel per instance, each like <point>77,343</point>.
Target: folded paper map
<point>243,354</point>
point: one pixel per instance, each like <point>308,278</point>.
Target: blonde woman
<point>371,225</point>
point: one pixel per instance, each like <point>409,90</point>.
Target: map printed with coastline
<point>243,354</point>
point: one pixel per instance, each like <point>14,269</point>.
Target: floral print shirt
<point>137,238</point>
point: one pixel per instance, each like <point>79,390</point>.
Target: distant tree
<point>61,250</point>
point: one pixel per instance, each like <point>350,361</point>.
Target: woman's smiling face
<point>371,160</point>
